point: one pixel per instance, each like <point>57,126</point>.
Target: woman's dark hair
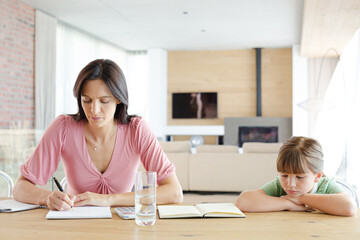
<point>109,72</point>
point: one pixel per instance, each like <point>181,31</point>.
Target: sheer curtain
<point>75,49</point>
<point>338,129</point>
<point>320,71</point>
<point>45,66</point>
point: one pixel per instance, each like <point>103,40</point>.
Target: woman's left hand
<point>90,198</point>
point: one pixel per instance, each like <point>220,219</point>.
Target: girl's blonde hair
<point>298,154</point>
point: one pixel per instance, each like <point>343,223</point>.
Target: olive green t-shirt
<point>324,186</point>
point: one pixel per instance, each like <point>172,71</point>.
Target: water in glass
<point>145,209</point>
<point>145,198</point>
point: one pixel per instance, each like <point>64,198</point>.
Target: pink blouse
<point>65,139</point>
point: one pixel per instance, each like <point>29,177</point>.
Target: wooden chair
<point>349,189</point>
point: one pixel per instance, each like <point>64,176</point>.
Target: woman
<point>101,147</point>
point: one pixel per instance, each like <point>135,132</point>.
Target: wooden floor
<point>195,197</point>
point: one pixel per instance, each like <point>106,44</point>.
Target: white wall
<point>300,92</point>
<point>157,91</point>
<point>137,81</point>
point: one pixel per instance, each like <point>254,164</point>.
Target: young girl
<point>301,184</point>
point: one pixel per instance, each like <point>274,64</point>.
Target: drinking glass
<point>145,198</point>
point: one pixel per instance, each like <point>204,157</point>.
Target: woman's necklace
<point>96,147</point>
<point>106,140</point>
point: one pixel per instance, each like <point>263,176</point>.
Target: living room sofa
<point>179,152</point>
<point>221,168</point>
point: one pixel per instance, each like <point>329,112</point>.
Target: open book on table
<point>200,210</point>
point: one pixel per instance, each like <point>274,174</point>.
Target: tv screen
<point>258,134</point>
<point>194,105</point>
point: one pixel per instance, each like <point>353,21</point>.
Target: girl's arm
<point>169,191</point>
<point>336,204</point>
<point>258,201</point>
<point>28,192</point>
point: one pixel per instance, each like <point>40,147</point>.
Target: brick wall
<point>17,59</point>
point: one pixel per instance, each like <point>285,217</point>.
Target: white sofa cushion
<point>176,146</point>
<point>217,149</point>
<point>258,147</point>
<point>178,153</point>
<point>231,172</point>
<point>181,162</point>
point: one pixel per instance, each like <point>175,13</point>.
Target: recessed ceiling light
<point>185,12</point>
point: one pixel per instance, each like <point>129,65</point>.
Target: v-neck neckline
<point>90,161</point>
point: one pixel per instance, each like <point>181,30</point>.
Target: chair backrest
<point>63,183</point>
<point>349,189</point>
<point>9,182</point>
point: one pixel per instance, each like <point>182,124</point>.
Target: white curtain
<point>45,67</point>
<point>75,49</point>
<point>320,71</point>
<point>338,129</point>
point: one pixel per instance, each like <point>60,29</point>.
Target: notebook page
<point>219,209</point>
<point>178,211</point>
<point>81,212</point>
<point>11,205</point>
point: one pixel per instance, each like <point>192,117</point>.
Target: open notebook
<point>11,205</point>
<point>81,212</point>
<point>200,210</point>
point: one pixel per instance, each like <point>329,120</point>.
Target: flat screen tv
<point>258,134</point>
<point>194,105</point>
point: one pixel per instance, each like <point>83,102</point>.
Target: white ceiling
<point>183,24</point>
<point>328,24</point>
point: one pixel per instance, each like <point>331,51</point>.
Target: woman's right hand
<point>60,201</point>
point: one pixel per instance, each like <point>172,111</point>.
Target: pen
<point>59,187</point>
<point>58,184</point>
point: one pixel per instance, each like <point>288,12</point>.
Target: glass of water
<point>145,198</point>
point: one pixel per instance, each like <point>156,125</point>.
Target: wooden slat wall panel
<point>212,140</point>
<point>229,73</point>
<point>276,82</point>
<point>232,74</point>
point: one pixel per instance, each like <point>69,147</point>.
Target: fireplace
<point>256,129</point>
<point>258,134</point>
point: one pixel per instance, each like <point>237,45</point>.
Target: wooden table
<point>32,224</point>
